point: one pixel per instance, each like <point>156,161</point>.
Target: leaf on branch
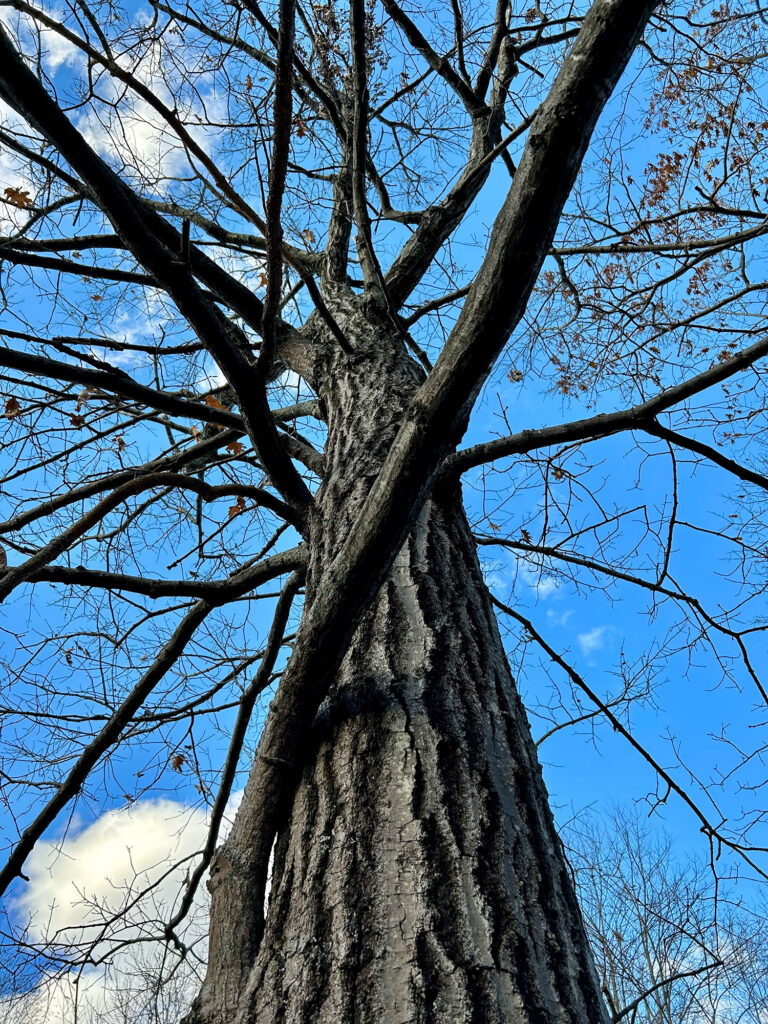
<point>301,128</point>
<point>177,762</point>
<point>308,235</point>
<point>262,280</point>
<point>12,408</point>
<point>248,83</point>
<point>85,395</point>
<point>526,536</point>
<point>214,403</point>
<point>237,508</point>
<point>77,421</point>
<point>18,197</point>
<point>558,473</point>
<point>515,376</point>
<point>494,526</point>
<point>235,448</point>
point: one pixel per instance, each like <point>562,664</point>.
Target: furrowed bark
<point>417,874</point>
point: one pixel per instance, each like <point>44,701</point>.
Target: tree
<point>219,164</point>
<point>670,945</point>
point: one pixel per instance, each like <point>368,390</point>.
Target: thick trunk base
<point>419,878</point>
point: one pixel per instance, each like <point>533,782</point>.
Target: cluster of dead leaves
<point>237,508</point>
<point>18,197</point>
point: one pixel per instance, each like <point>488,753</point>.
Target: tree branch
<point>691,444</point>
<point>215,592</point>
<point>117,382</point>
<point>64,266</point>
<point>638,417</point>
<point>15,575</point>
<point>706,826</point>
<point>273,228</point>
<point>474,105</point>
<point>631,1007</point>
<point>142,229</point>
<point>259,683</point>
<point>102,741</point>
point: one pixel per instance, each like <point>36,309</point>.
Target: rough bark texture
<point>418,877</point>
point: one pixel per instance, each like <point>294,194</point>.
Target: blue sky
<point>689,701</point>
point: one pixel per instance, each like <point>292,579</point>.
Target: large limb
<point>117,382</point>
<point>213,591</point>
<point>273,227</point>
<point>365,251</point>
<point>219,180</point>
<point>247,702</point>
<point>637,417</point>
<point>15,575</point>
<point>520,240</point>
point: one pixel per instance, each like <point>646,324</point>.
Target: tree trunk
<point>418,877</point>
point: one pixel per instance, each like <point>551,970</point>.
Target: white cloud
<point>112,886</point>
<point>56,50</point>
<point>98,872</point>
<point>129,130</point>
<point>592,640</point>
<point>544,586</point>
<point>561,619</point>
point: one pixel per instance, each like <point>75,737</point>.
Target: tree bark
<point>417,876</point>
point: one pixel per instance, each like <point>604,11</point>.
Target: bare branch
<point>638,417</point>
<point>15,575</point>
<point>102,741</point>
<point>141,231</point>
<point>259,683</point>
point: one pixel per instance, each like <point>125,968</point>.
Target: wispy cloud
<point>543,585</point>
<point>559,618</point>
<point>593,639</point>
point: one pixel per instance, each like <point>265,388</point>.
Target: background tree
<point>227,221</point>
<point>670,945</point>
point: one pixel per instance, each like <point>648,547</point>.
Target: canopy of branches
<point>201,207</point>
